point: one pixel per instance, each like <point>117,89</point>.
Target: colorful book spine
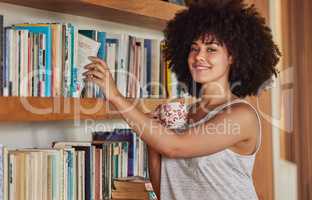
<point>2,72</point>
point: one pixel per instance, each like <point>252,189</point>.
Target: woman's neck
<point>216,94</point>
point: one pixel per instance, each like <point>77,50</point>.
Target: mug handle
<point>155,113</point>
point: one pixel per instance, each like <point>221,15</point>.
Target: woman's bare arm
<point>204,139</point>
<point>154,165</point>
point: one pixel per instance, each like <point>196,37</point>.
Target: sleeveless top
<point>224,175</point>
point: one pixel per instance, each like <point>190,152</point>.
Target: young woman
<point>222,51</point>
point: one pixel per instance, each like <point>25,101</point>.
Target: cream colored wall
<point>285,173</point>
<point>16,135</point>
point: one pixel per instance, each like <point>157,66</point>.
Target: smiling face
<point>209,61</point>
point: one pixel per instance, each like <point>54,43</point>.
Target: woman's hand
<point>98,73</point>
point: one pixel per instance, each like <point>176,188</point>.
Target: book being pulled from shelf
<point>135,187</point>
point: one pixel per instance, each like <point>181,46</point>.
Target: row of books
<point>71,170</point>
<point>47,60</point>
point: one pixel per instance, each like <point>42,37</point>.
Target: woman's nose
<point>200,56</point>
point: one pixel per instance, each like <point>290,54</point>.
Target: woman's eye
<point>211,50</point>
<point>193,49</point>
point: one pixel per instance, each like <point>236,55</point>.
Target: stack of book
<point>133,188</point>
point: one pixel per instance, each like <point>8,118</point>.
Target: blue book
<point>101,38</point>
<point>70,174</point>
<point>1,56</point>
<point>43,29</point>
<point>88,33</point>
<point>6,59</point>
<point>54,176</point>
<point>148,47</point>
<point>73,67</point>
<point>121,135</point>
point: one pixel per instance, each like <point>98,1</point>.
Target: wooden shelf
<point>36,109</point>
<point>152,14</point>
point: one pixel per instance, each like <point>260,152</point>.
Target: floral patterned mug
<point>172,115</point>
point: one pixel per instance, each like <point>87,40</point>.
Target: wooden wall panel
<point>287,137</point>
<point>302,44</point>
<point>263,171</point>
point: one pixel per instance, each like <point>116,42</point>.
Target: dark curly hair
<point>232,23</point>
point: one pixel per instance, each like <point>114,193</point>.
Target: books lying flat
<point>133,188</point>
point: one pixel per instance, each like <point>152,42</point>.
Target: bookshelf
<point>19,115</point>
<point>139,13</point>
<point>152,14</point>
<point>36,109</point>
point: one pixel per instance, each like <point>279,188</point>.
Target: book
<point>135,187</point>
<point>56,59</point>
<point>130,195</point>
<point>1,172</point>
<point>86,47</point>
<point>1,55</point>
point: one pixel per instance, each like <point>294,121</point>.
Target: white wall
<point>285,173</point>
<point>16,135</point>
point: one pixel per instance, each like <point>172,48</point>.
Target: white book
<point>86,47</point>
<point>111,58</point>
<point>155,68</point>
<point>1,171</point>
<point>12,176</point>
<point>122,67</point>
<point>57,59</point>
<point>5,154</point>
<point>24,63</point>
<point>14,63</point>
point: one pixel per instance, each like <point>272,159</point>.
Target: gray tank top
<point>224,175</point>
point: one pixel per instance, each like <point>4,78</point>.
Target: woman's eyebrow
<point>212,42</point>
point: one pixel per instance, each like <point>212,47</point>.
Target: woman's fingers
<point>99,64</point>
<point>94,80</point>
<point>94,73</point>
<point>95,66</point>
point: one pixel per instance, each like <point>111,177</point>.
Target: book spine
<point>6,55</point>
<point>1,56</point>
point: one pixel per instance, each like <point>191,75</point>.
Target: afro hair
<point>232,23</point>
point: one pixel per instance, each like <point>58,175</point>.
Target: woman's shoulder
<point>241,110</point>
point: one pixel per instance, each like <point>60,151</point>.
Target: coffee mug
<point>172,115</point>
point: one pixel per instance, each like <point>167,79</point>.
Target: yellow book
<point>168,78</point>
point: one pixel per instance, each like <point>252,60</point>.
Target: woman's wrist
<point>116,98</point>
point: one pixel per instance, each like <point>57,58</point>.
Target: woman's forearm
<point>161,139</point>
<point>154,164</point>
